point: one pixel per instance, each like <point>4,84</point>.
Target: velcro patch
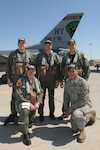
<point>85,57</point>
<point>19,83</point>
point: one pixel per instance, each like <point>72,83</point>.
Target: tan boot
<point>82,136</point>
<point>91,117</point>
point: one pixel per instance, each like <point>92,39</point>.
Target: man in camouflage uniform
<point>76,57</point>
<point>28,98</point>
<point>47,65</point>
<point>16,67</point>
<point>77,102</point>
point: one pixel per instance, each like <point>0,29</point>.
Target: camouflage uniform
<point>76,97</point>
<point>30,93</point>
<point>14,59</point>
<point>48,73</point>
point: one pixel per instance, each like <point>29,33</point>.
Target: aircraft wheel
<point>4,78</point>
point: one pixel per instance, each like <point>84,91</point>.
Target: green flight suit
<point>48,69</point>
<point>23,94</point>
<point>78,58</point>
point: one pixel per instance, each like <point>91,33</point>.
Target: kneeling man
<point>77,102</point>
<point>28,98</point>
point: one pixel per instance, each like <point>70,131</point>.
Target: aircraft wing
<point>3,61</point>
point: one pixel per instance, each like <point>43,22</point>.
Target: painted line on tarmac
<point>94,83</point>
<point>5,92</point>
<point>98,118</point>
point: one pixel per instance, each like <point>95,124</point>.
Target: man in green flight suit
<point>48,68</point>
<point>16,67</point>
<point>28,98</point>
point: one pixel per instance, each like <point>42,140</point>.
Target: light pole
<point>90,50</point>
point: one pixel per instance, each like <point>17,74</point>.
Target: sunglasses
<point>71,44</point>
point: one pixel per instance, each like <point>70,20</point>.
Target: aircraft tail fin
<point>63,31</point>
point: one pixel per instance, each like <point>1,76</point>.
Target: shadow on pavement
<point>48,120</point>
<point>94,71</point>
<point>8,132</point>
<point>58,135</point>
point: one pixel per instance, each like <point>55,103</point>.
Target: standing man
<point>47,64</point>
<point>16,67</point>
<point>28,97</point>
<point>77,102</point>
<point>76,57</point>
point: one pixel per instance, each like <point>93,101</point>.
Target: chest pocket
<point>47,68</point>
<point>42,70</point>
<point>19,68</point>
<point>31,90</point>
<point>20,63</point>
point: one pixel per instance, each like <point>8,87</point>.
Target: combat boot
<point>26,139</point>
<point>91,116</point>
<point>41,118</point>
<point>62,116</point>
<point>10,119</point>
<point>82,136</point>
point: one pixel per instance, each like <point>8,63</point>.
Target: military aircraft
<point>59,36</point>
<point>61,33</point>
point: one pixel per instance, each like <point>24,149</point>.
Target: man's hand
<point>37,105</point>
<point>56,84</point>
<point>68,112</point>
<point>9,83</point>
<point>34,107</point>
<point>61,84</point>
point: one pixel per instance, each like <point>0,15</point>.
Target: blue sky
<point>33,19</point>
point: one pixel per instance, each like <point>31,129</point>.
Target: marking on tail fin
<point>72,17</point>
<point>71,28</point>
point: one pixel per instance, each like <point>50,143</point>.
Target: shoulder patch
<point>19,83</point>
<point>85,57</point>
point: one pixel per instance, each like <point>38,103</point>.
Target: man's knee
<point>77,113</point>
<point>24,112</point>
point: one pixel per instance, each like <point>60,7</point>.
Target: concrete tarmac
<point>51,135</point>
